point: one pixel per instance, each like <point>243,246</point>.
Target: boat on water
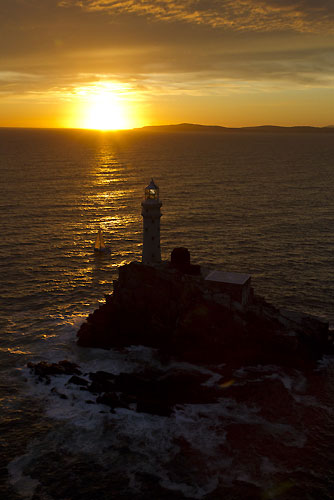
<point>100,245</point>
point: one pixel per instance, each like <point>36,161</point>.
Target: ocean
<point>260,203</point>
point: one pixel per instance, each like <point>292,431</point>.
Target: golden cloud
<point>311,16</point>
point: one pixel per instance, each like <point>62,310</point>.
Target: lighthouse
<point>151,224</point>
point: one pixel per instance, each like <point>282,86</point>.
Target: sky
<point>129,63</point>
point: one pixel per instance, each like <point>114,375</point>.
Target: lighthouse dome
<point>152,191</point>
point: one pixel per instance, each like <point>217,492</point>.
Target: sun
<point>105,105</point>
<point>106,111</point>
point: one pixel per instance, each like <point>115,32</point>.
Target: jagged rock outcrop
<point>149,391</point>
<point>184,316</point>
<point>43,369</point>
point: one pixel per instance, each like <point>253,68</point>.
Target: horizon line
<point>184,124</point>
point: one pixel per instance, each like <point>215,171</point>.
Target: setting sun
<point>104,106</point>
<point>105,111</point>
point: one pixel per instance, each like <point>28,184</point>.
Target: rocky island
<point>196,314</point>
<point>212,320</point>
<point>190,313</point>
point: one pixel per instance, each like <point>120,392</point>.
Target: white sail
<point>99,242</point>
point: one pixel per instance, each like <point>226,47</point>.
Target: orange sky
<point>122,64</point>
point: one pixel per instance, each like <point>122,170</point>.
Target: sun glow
<point>105,112</point>
<point>107,106</point>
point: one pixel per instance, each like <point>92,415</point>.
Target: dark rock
<point>240,490</point>
<point>138,384</point>
<point>44,369</point>
<point>77,381</point>
<point>98,388</point>
<point>101,382</point>
<point>101,377</point>
<point>152,391</point>
<point>181,387</point>
<point>69,367</point>
<point>154,407</point>
<point>179,314</point>
<point>110,399</point>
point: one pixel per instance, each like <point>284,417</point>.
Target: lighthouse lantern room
<point>151,224</point>
<point>152,191</point>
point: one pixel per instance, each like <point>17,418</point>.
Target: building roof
<point>152,185</point>
<point>228,277</point>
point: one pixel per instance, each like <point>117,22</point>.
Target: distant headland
<point>195,128</point>
<point>192,127</point>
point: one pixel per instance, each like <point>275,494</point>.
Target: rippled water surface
<point>256,203</point>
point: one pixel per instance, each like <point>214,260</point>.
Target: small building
<point>236,285</point>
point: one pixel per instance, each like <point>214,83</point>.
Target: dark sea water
<point>256,203</point>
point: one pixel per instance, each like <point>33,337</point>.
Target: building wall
<point>237,292</point>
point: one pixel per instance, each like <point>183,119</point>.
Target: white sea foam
<point>327,363</point>
<point>293,383</point>
<point>154,441</point>
<point>24,484</point>
<point>191,490</point>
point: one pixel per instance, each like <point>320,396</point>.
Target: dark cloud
<point>194,47</point>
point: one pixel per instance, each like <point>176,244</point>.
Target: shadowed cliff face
<point>177,313</point>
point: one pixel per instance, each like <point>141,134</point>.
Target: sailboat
<point>100,244</point>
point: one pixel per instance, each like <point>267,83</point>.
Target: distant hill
<point>191,127</point>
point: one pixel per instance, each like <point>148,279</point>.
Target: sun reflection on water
<point>108,205</point>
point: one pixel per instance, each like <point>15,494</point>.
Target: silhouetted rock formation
<point>185,316</point>
<point>149,391</point>
<point>172,308</point>
<point>43,369</point>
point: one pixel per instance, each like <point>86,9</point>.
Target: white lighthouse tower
<point>151,224</point>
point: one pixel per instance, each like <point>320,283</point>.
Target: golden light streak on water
<point>111,192</point>
<point>15,351</point>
